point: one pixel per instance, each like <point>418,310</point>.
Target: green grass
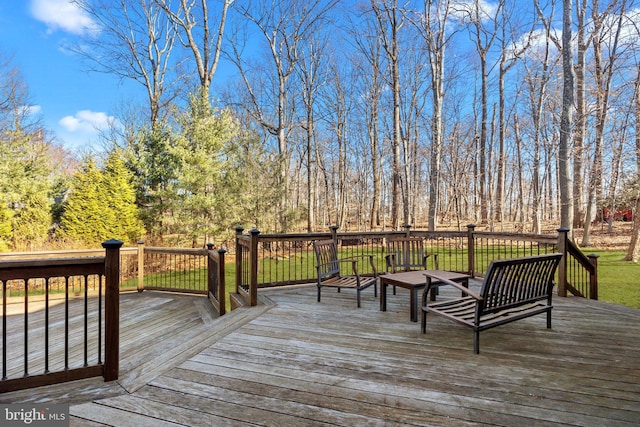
<point>618,280</point>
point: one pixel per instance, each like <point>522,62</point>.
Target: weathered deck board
<point>294,361</point>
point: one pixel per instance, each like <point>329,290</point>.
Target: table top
<point>417,277</point>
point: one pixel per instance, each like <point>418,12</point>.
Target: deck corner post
<point>593,277</point>
<point>563,236</point>
<point>222,284</point>
<point>140,265</point>
<point>112,309</point>
<point>239,231</point>
<point>334,234</point>
<point>253,283</point>
<point>471,249</point>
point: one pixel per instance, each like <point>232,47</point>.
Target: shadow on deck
<point>292,361</point>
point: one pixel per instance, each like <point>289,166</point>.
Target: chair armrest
<point>444,281</point>
<point>391,262</point>
<point>357,258</point>
<point>436,263</point>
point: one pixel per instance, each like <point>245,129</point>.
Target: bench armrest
<point>444,281</point>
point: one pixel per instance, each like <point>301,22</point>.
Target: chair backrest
<point>512,282</point>
<point>405,254</point>
<point>327,258</point>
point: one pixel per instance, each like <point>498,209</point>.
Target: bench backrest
<point>327,258</point>
<point>405,253</point>
<point>516,281</point>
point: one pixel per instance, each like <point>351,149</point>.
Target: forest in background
<point>366,115</point>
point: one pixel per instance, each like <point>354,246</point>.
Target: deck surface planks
<point>293,361</point>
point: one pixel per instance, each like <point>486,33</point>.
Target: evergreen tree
<point>24,185</point>
<point>5,226</point>
<point>101,204</point>
<point>122,212</point>
<point>82,219</point>
<point>203,148</point>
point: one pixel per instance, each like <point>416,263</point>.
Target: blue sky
<point>72,102</point>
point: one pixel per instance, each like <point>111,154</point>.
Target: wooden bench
<point>330,272</point>
<point>512,289</point>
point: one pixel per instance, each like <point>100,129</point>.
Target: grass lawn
<point>618,280</point>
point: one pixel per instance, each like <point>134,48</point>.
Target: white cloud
<point>473,10</point>
<point>32,109</point>
<point>63,15</point>
<point>87,121</point>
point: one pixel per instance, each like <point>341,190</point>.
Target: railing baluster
<point>4,330</point>
<point>66,322</point>
<point>26,328</point>
<point>46,326</point>
<point>86,320</point>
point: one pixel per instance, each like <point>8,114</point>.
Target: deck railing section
<point>487,247</point>
<point>43,314</point>
<point>246,267</point>
<point>284,259</point>
<point>174,270</point>
<point>579,272</point>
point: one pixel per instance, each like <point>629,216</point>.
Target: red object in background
<point>621,215</point>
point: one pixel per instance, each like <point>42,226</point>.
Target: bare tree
<point>310,72</point>
<point>511,51</point>
<point>482,21</point>
<point>604,37</point>
<point>566,199</point>
<point>390,21</point>
<point>433,27</point>
<point>633,251</point>
<point>371,72</point>
<point>194,20</point>
<point>580,126</point>
<point>134,41</point>
<point>284,26</point>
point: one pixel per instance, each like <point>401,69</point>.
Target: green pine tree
<point>101,205</point>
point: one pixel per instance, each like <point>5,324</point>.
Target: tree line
<point>373,114</point>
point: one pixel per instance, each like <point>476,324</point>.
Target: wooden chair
<point>330,273</point>
<point>407,254</point>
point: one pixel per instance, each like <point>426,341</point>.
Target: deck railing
<point>267,260</point>
<point>196,271</point>
<point>27,363</point>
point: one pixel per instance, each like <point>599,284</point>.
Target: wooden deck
<point>293,361</point>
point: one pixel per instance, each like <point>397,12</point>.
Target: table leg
<point>383,295</point>
<point>414,304</point>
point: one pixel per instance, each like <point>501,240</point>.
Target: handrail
<point>46,270</point>
<point>580,271</point>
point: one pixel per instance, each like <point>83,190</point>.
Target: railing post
<point>407,230</point>
<point>334,234</point>
<point>471,249</point>
<point>239,231</point>
<point>563,235</point>
<point>593,277</point>
<point>112,309</point>
<point>140,265</point>
<point>222,283</point>
<point>215,279</point>
<point>253,281</point>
